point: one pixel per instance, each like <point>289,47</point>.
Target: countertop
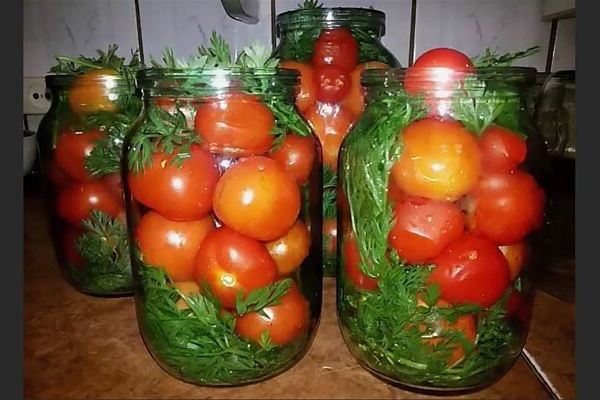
<point>78,346</point>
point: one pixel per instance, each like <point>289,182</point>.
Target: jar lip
<point>332,17</point>
<point>514,75</point>
<point>159,73</point>
<point>62,81</point>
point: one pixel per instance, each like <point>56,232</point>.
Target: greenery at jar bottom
<point>105,253</point>
<point>199,343</point>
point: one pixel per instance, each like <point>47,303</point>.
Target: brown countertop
<point>83,347</point>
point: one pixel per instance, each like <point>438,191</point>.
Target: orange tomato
<point>231,263</point>
<point>306,95</point>
<point>330,123</point>
<point>516,255</point>
<point>187,288</point>
<point>440,161</point>
<point>354,101</point>
<point>284,322</point>
<point>465,324</point>
<point>297,155</point>
<point>257,198</point>
<point>291,249</point>
<point>72,148</point>
<point>171,245</point>
<point>91,91</point>
<point>238,125</point>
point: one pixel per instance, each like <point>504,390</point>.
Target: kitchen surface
<point>454,270</point>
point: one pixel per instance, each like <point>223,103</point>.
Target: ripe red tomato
<point>352,266</point>
<point>229,262</point>
<point>331,124</point>
<point>423,228</point>
<point>180,193</point>
<point>306,95</point>
<point>171,245</point>
<point>437,70</point>
<point>471,270</point>
<point>56,175</point>
<point>354,101</point>
<point>69,247</point>
<point>75,203</point>
<point>291,249</point>
<point>518,307</point>
<point>257,198</point>
<point>284,322</point>
<point>237,125</point>
<point>440,161</point>
<point>501,150</point>
<point>464,324</point>
<point>507,207</point>
<point>333,83</point>
<point>91,91</point>
<point>336,47</point>
<point>72,147</point>
<point>394,194</point>
<point>516,255</point>
<point>297,155</point>
<point>330,234</point>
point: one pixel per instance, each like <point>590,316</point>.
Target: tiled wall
<point>81,26</point>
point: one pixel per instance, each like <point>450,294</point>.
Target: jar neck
<point>370,21</point>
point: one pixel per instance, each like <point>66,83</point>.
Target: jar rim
<point>64,81</point>
<point>332,17</point>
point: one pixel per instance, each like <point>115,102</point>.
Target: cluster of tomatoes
<point>229,215</point>
<point>331,97</point>
<point>78,191</point>
<point>461,203</point>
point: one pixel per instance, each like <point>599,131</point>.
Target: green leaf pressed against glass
<point>199,343</point>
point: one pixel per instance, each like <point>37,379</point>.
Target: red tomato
<point>336,47</point>
<point>230,263</point>
<point>187,288</point>
<point>354,101</point>
<point>501,150</point>
<point>75,203</point>
<point>437,70</point>
<point>171,245</point>
<point>72,147</point>
<point>394,194</point>
<point>56,175</point>
<point>507,207</point>
<point>423,228</point>
<point>237,125</point>
<point>333,83</point>
<point>516,255</point>
<point>464,324</point>
<point>290,250</point>
<point>440,161</point>
<point>306,96</point>
<point>297,155</point>
<point>518,307</point>
<point>284,322</point>
<point>91,91</point>
<point>180,193</point>
<point>471,270</point>
<point>352,266</point>
<point>69,247</point>
<point>330,124</point>
<point>330,234</point>
<point>257,198</point>
<point>113,182</point>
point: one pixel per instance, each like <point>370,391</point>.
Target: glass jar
<point>80,140</point>
<point>436,214</point>
<point>555,119</point>
<point>225,223</point>
<point>331,47</point>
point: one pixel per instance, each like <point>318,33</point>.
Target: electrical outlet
<point>36,100</point>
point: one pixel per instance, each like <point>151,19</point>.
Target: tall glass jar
<point>331,47</point>
<point>225,223</point>
<point>80,140</point>
<point>437,209</point>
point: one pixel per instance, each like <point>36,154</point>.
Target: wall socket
<point>36,100</point>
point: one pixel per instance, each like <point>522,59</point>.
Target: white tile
<point>564,48</point>
<point>33,121</point>
<point>397,36</point>
<point>74,27</point>
<point>473,25</point>
<point>183,25</point>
